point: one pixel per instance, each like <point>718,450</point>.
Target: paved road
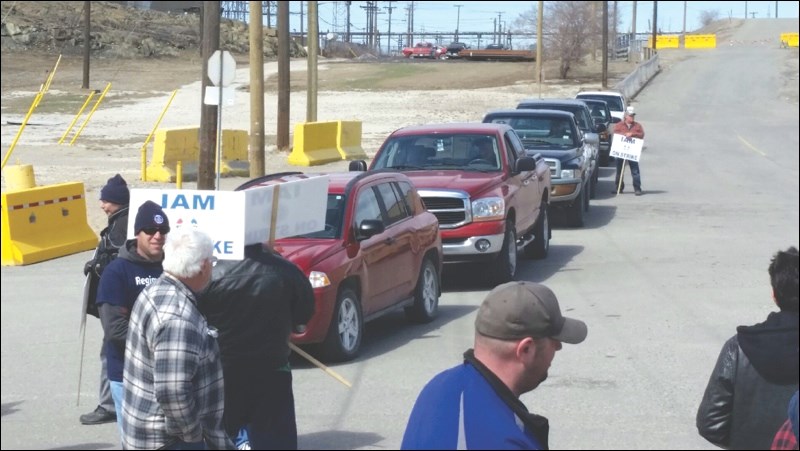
<point>662,281</point>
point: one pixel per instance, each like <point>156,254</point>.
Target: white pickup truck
<point>616,101</point>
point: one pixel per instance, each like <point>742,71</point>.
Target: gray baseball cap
<point>516,310</point>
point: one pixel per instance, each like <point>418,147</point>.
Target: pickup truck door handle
<point>389,240</point>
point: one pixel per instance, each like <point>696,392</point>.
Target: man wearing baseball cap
<point>476,405</point>
<point>628,128</point>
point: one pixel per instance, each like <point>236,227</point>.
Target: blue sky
<point>439,16</point>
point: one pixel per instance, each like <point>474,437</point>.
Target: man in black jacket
<point>114,199</point>
<point>757,370</point>
<point>255,304</point>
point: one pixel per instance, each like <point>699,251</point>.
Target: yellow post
<point>179,175</point>
<point>20,177</point>
<point>75,119</point>
<point>22,127</point>
<point>94,108</point>
<point>152,132</point>
<point>49,80</point>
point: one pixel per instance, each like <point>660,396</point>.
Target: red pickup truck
<point>424,50</point>
<point>490,198</point>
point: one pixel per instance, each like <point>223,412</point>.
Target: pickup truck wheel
<point>426,295</point>
<point>505,267</point>
<point>575,211</point>
<point>540,246</point>
<point>346,329</point>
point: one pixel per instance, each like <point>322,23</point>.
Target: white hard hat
<point>630,112</point>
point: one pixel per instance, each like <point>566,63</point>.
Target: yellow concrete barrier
<point>348,140</point>
<point>789,39</point>
<point>235,160</point>
<point>183,144</point>
<point>45,222</point>
<point>315,143</point>
<point>664,42</point>
<point>700,41</point>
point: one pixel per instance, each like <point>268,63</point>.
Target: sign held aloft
<point>235,219</point>
<point>626,148</point>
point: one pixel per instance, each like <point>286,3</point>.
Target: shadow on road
<point>337,440</point>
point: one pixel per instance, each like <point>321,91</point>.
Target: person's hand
<point>88,266</point>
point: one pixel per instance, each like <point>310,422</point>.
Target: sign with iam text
<point>235,219</point>
<point>626,148</point>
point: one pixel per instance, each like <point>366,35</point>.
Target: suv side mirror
<point>600,126</point>
<point>524,164</point>
<point>614,120</point>
<point>369,228</point>
<point>357,166</point>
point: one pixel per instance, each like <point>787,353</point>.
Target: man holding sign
<point>626,145</point>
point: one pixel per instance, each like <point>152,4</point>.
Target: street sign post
<point>221,72</point>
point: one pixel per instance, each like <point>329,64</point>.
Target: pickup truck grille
<point>451,208</point>
<point>555,167</point>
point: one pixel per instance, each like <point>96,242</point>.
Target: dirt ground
<point>383,94</point>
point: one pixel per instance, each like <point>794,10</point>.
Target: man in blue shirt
<point>138,264</point>
<point>476,405</point>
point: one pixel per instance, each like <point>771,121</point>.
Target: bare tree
<point>708,16</point>
<point>568,28</point>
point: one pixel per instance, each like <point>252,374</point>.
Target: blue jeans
<point>637,179</point>
<point>117,394</point>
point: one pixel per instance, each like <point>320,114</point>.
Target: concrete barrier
<point>348,140</point>
<point>315,143</point>
<point>45,222</point>
<point>183,144</point>
<point>664,42</point>
<point>700,41</point>
<point>789,39</point>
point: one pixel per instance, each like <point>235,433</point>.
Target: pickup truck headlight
<point>488,209</point>
<point>568,173</point>
<point>318,279</point>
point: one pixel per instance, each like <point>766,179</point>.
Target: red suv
<point>380,251</point>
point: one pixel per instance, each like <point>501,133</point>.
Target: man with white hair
<point>174,391</point>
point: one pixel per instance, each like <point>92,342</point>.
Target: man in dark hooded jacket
<point>255,304</point>
<point>757,370</point>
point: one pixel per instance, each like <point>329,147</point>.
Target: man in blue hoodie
<point>476,405</point>
<point>138,264</point>
<point>757,370</point>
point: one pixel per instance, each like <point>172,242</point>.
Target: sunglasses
<point>152,230</point>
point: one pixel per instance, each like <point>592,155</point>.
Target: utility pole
<point>745,10</point>
<point>389,37</point>
<point>594,30</point>
<point>614,30</point>
<point>282,139</point>
<point>604,58</point>
<point>313,51</point>
<point>347,29</point>
<point>458,19</point>
<point>87,6</point>
<point>497,28</point>
<point>256,152</point>
<point>634,47</point>
<point>776,9</point>
<point>208,113</point>
<point>539,46</point>
<point>410,25</point>
<point>684,18</point>
<point>655,26</point>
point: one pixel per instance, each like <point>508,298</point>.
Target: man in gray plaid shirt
<point>174,392</point>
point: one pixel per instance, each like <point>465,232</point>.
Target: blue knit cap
<point>151,216</point>
<point>116,191</point>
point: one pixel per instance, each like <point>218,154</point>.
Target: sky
<point>441,16</point>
